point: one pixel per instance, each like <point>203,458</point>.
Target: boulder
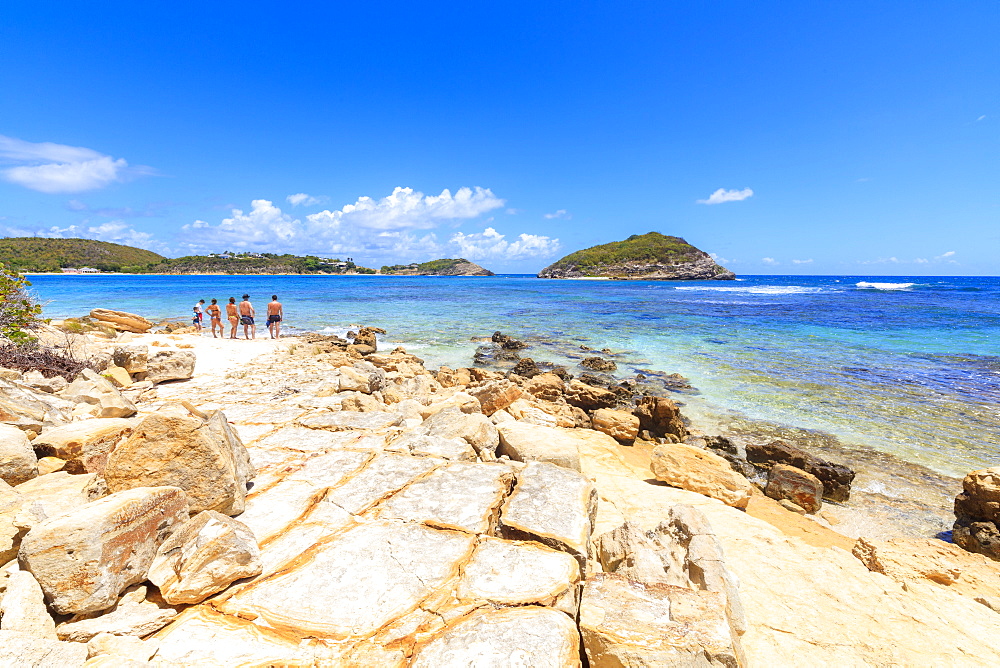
<point>85,558</point>
<point>170,365</point>
<point>12,522</point>
<point>120,649</point>
<point>59,492</point>
<point>31,411</point>
<point>836,478</point>
<point>122,321</point>
<point>18,648</point>
<point>523,636</point>
<point>475,428</point>
<point>35,380</point>
<point>795,485</point>
<point>84,445</point>
<point>588,397</point>
<point>18,462</point>
<point>552,505</point>
<point>133,358</point>
<point>133,615</point>
<point>495,395</point>
<point>660,416</point>
<point>699,471</point>
<point>977,513</point>
<point>22,607</point>
<point>619,425</point>
<point>202,456</point>
<point>204,556</point>
<point>626,623</point>
<point>92,388</point>
<point>598,364</point>
<point>546,386</point>
<point>525,442</point>
<point>118,376</point>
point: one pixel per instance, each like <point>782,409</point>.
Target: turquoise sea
<point>909,367</point>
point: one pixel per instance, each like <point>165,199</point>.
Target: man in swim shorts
<point>274,315</point>
<point>246,318</point>
<point>234,319</point>
<point>216,314</point>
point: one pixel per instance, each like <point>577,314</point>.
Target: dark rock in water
<point>500,337</point>
<point>563,374</point>
<point>513,344</point>
<point>506,356</point>
<point>598,364</point>
<point>836,478</point>
<point>585,348</point>
<point>977,513</point>
<point>597,381</point>
<point>366,336</point>
<point>491,354</point>
<point>722,444</point>
<point>730,451</point>
<point>660,416</point>
<point>526,367</point>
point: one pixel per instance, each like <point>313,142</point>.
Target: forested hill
<point>36,254</point>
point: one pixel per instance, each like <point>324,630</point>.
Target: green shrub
<point>18,309</point>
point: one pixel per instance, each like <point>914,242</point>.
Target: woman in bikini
<point>234,318</point>
<point>216,314</point>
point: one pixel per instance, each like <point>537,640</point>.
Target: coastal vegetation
<point>18,309</point>
<point>443,267</point>
<point>38,255</point>
<point>254,263</point>
<point>647,256</point>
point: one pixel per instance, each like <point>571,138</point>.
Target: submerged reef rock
<point>977,513</point>
<point>641,256</point>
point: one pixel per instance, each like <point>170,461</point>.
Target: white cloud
<point>305,200</point>
<point>561,213</point>
<point>809,261</point>
<point>406,208</point>
<point>115,231</point>
<point>722,195</point>
<point>983,117</point>
<point>721,260</point>
<point>57,168</point>
<point>769,261</point>
<point>944,255</point>
<point>512,212</point>
<point>491,244</point>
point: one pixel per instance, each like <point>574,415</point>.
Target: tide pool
<point>908,366</point>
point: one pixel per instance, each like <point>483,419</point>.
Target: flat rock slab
<point>354,584</point>
<point>455,449</point>
<point>85,558</point>
<point>386,474</point>
<point>134,615</point>
<point>351,421</point>
<point>463,496</point>
<point>25,650</point>
<point>697,470</point>
<point>553,505</point>
<point>529,636</point>
<point>306,440</point>
<point>525,442</point>
<point>58,492</point>
<point>518,573</point>
<point>626,623</point>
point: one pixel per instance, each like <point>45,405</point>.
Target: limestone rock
<point>476,429</point>
<point>18,462</point>
<point>510,573</point>
<point>204,556</point>
<point>546,386</point>
<point>120,320</point>
<point>31,411</point>
<point>977,513</point>
<point>699,471</point>
<point>118,376</point>
<point>461,495</point>
<point>56,493</point>
<point>660,416</point>
<point>795,485</point>
<point>104,398</point>
<point>630,624</point>
<point>133,358</point>
<point>133,615</point>
<point>85,558</point>
<point>619,425</point>
<point>22,607</point>
<point>120,647</point>
<point>27,650</point>
<point>170,365</point>
<point>588,397</point>
<point>84,445</point>
<point>495,395</point>
<point>836,478</point>
<point>455,449</point>
<point>204,457</point>
<point>529,442</point>
<point>552,505</point>
<point>11,522</point>
<point>528,636</point>
<point>351,421</point>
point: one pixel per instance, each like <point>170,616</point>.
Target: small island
<point>650,256</point>
<point>444,267</point>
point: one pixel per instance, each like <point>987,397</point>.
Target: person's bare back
<point>275,313</point>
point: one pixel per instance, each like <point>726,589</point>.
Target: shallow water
<point>905,366</point>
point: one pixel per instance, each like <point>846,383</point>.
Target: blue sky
<point>796,137</point>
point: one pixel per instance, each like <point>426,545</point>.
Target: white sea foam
<point>754,290</point>
<point>885,286</point>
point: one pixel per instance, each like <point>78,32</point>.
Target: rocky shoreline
<point>321,501</point>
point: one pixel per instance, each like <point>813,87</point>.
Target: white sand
<point>216,357</point>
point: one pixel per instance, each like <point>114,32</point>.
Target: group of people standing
<point>239,314</point>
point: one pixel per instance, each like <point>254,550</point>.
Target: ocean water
<point>905,367</point>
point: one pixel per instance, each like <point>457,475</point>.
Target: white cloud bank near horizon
<point>58,168</point>
<point>722,195</point>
